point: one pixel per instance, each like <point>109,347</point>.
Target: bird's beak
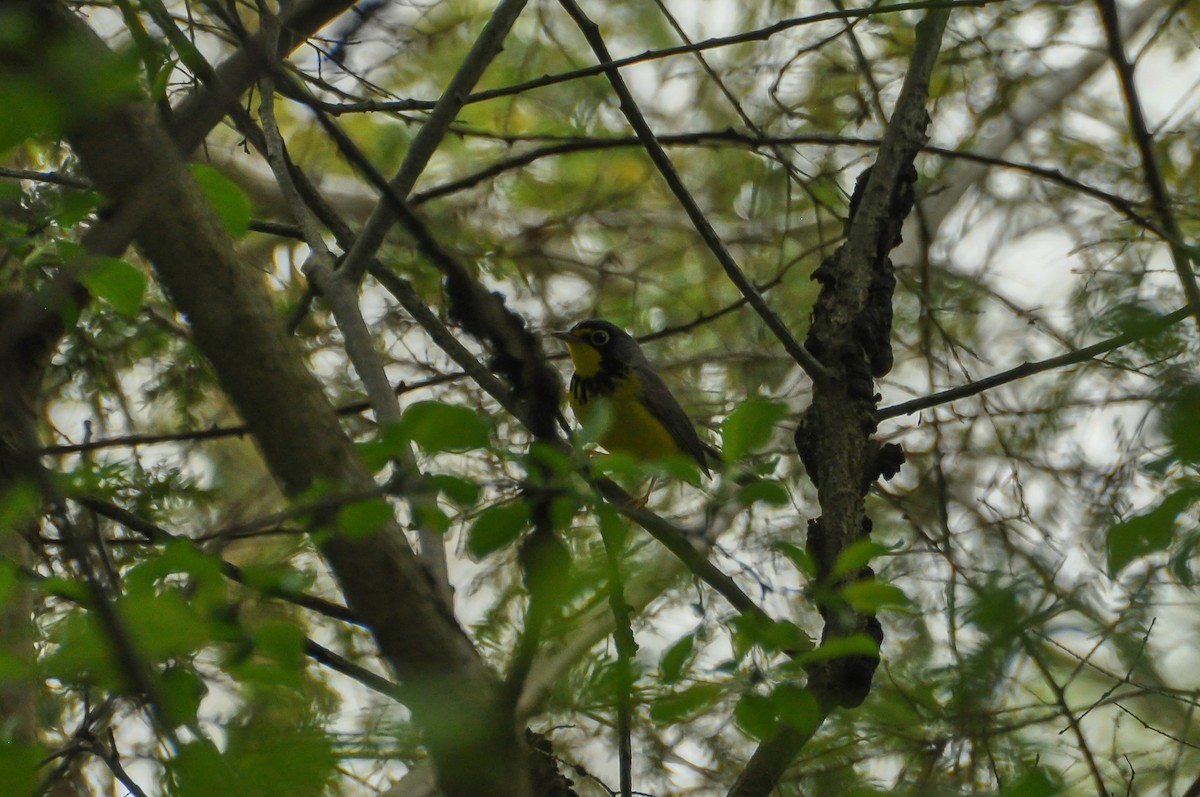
<point>563,335</point>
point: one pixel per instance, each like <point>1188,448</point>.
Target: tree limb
<point>129,155</point>
<point>851,332</point>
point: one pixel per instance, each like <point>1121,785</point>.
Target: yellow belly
<point>635,431</point>
<point>631,429</point>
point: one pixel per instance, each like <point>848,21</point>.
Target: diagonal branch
<point>342,298</point>
<point>482,53</point>
<point>204,110</point>
<point>1029,369</point>
<point>1159,197</point>
<point>815,370</point>
<point>1032,102</point>
<point>755,35</point>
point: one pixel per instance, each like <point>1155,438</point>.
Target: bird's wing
<point>662,405</point>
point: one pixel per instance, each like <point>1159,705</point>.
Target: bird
<point>647,421</point>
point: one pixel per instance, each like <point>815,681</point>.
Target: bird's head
<point>596,345</point>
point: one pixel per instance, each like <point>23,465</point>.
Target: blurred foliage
<point>1034,561</point>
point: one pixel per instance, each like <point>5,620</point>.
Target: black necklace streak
<point>601,383</point>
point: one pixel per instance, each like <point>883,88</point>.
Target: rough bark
<point>28,331</point>
<point>132,160</point>
<point>850,336</point>
<point>130,156</point>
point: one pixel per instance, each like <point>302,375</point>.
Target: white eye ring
<point>599,337</point>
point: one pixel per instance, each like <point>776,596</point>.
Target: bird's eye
<point>599,337</point>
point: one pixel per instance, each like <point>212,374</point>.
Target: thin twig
<point>1029,369</point>
<point>112,759</point>
<point>1159,196</point>
<point>666,168</point>
<point>486,47</point>
<point>217,432</point>
<point>627,647</point>
<point>335,661</point>
<point>157,534</point>
<point>758,34</point>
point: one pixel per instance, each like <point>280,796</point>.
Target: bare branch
<point>1180,255</point>
<point>423,145</point>
<point>815,370</point>
<point>1029,369</point>
<point>758,34</point>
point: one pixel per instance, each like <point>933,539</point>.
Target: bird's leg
<point>641,502</point>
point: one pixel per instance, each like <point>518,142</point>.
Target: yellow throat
<point>585,358</point>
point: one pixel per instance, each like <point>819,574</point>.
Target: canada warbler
<point>646,420</point>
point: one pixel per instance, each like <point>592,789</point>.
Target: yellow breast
<point>632,429</point>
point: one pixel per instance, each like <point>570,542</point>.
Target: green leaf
<point>262,757</point>
<point>769,491</point>
<point>685,703</point>
<point>797,707</point>
<point>1148,533</point>
<point>563,509</point>
<point>278,661</point>
<point>228,200</point>
<point>784,635</point>
<point>430,517</point>
<point>869,596</point>
<point>799,556</point>
<point>362,518</point>
<point>277,579</point>
<point>69,79</point>
<point>614,528</point>
<point>182,691</point>
<point>61,587</point>
<point>11,193</point>
<point>544,457</point>
<point>32,110</point>
<point>619,465</point>
<point>754,714</point>
<point>160,78</point>
<point>117,283</point>
<point>10,575</point>
<point>18,505</point>
<point>461,492</point>
<point>744,634</point>
<point>496,527</point>
<point>596,422</point>
<point>81,654</point>
<point>675,658</point>
<point>208,587</point>
<point>273,758</point>
<point>16,670</point>
<point>856,556</point>
<point>20,768</point>
<point>73,206</point>
<point>1181,407</point>
<point>383,449</point>
<point>841,647</point>
<point>1033,783</point>
<point>749,427</point>
<point>201,771</point>
<point>435,426</point>
<point>771,635</point>
<point>280,641</point>
<point>678,467</point>
<point>164,625</point>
